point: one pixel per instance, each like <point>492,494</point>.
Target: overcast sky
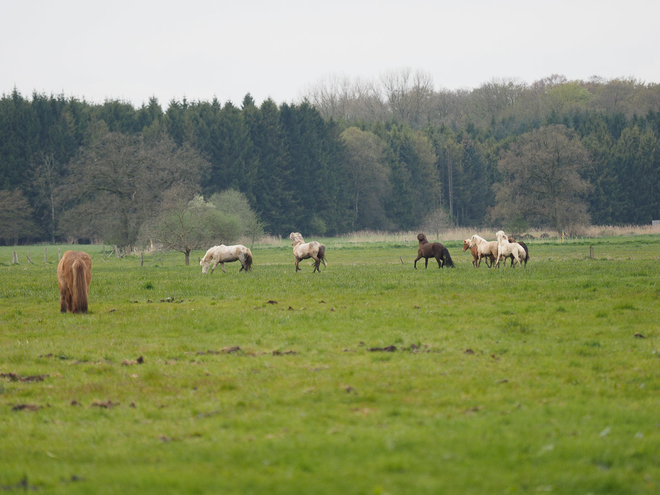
<point>201,49</point>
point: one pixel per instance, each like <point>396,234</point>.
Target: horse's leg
<point>297,267</point>
<point>426,262</point>
<point>439,260</point>
<point>69,300</point>
<point>222,265</point>
<point>416,260</point>
<point>63,303</point>
<point>215,264</point>
<point>317,264</point>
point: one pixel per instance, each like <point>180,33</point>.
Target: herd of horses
<point>74,271</point>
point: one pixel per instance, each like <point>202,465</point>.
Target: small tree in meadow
<point>193,224</point>
<point>235,203</point>
<point>436,222</point>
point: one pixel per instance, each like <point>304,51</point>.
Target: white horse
<point>486,249</point>
<point>303,250</point>
<point>226,254</point>
<point>506,248</point>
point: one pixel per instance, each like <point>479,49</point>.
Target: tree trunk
<point>187,253</point>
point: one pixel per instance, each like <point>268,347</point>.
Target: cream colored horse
<point>486,249</point>
<point>303,250</point>
<point>226,254</point>
<point>507,248</point>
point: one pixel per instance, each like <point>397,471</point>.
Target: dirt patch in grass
<point>13,377</point>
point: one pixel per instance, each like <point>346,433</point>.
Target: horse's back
<point>74,275</point>
<point>78,258</point>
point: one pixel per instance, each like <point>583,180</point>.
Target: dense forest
<point>392,154</point>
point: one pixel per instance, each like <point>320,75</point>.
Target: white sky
<point>201,49</point>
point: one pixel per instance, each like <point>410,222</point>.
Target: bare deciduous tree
<point>186,224</point>
<point>47,181</point>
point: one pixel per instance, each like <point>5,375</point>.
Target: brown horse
<point>74,274</point>
<point>436,250</point>
<point>475,254</point>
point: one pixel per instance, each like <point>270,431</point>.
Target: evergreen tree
<point>272,191</point>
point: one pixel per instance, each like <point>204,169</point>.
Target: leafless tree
<point>436,221</point>
<point>186,224</point>
<point>47,180</point>
<point>408,94</point>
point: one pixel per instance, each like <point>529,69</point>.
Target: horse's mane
<point>478,239</point>
<point>296,237</point>
<point>422,237</point>
<point>210,252</point>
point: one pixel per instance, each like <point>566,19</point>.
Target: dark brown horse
<point>436,250</point>
<point>74,274</point>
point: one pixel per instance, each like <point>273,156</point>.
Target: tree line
<point>347,156</point>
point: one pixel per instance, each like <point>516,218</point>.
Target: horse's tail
<point>321,254</point>
<point>79,287</point>
<point>524,246</point>
<point>248,261</point>
<point>446,258</point>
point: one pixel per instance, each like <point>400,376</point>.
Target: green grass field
<point>503,381</point>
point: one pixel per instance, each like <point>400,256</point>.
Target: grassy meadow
<point>368,378</point>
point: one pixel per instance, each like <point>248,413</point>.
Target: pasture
<point>368,378</point>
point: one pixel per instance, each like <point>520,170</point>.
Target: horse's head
<point>296,238</point>
<point>205,263</point>
<point>501,237</point>
<point>422,238</point>
<point>466,244</point>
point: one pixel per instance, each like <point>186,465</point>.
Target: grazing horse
<point>506,248</point>
<point>226,254</point>
<point>474,249</point>
<point>436,250</point>
<point>486,249</point>
<point>303,250</point>
<point>74,274</point>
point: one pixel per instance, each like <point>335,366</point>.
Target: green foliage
<point>366,162</point>
<point>15,216</point>
<point>233,203</point>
